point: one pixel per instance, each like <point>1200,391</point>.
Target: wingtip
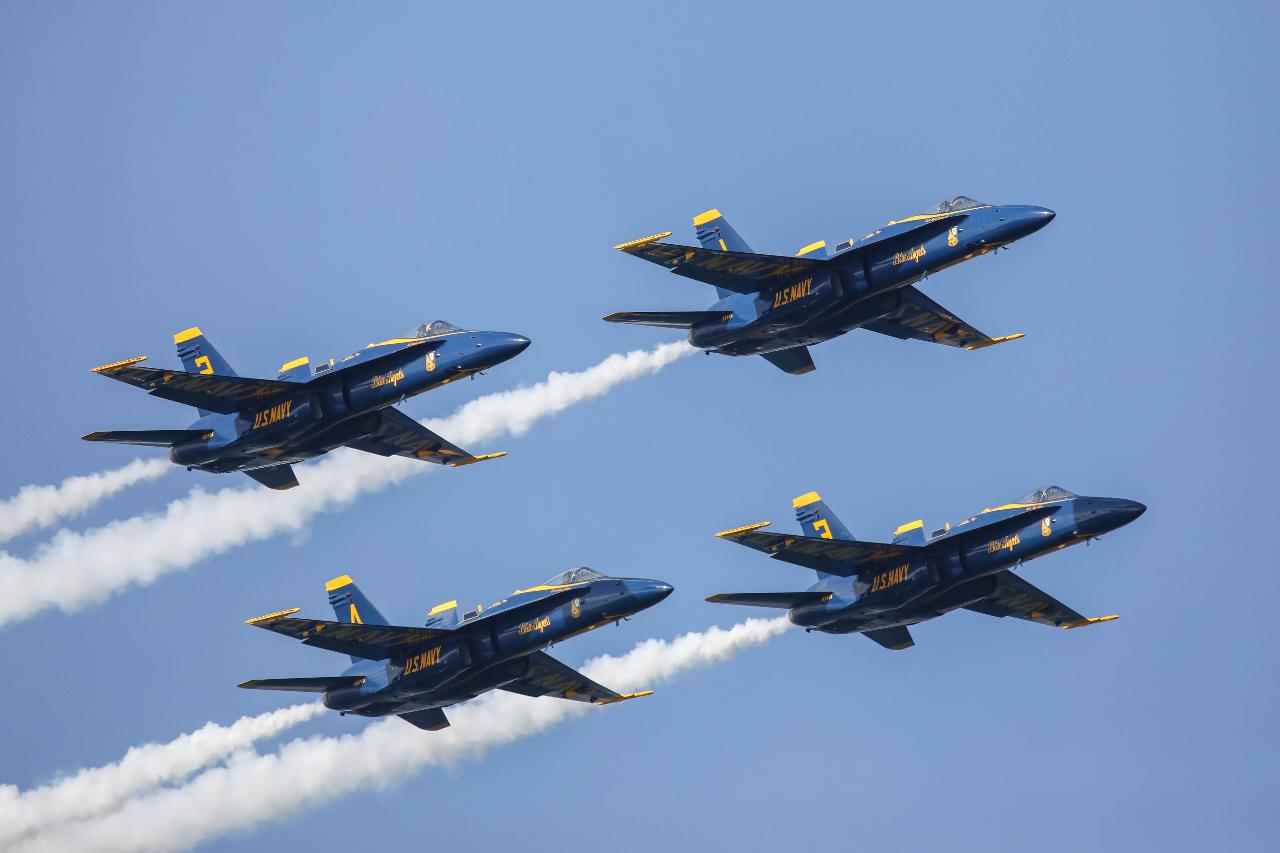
<point>279,614</point>
<point>634,244</point>
<point>483,457</point>
<point>993,341</point>
<point>746,528</point>
<point>123,363</point>
<point>625,696</point>
<point>1091,620</point>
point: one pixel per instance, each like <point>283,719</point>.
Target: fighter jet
<point>778,306</point>
<point>879,588</point>
<point>414,673</point>
<point>262,426</point>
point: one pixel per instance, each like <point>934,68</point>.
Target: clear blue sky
<point>300,178</point>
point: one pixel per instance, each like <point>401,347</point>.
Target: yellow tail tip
<point>187,334</point>
<point>806,499</point>
<point>338,583</point>
<point>705,216</point>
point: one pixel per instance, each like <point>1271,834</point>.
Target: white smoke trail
<point>96,791</point>
<point>76,569</point>
<point>34,507</point>
<point>252,788</point>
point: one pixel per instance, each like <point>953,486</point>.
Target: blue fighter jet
<point>777,306</point>
<point>416,672</point>
<point>879,588</point>
<point>262,426</point>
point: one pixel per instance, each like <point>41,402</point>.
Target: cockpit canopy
<point>578,575</point>
<point>436,327</point>
<point>1044,494</point>
<point>951,205</point>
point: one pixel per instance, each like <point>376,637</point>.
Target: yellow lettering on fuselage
<point>422,661</point>
<point>787,295</point>
<point>538,625</point>
<point>893,577</point>
<point>1007,543</point>
<point>910,255</point>
<point>391,378</point>
<point>275,414</point>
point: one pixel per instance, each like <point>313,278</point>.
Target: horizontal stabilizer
<point>278,477</point>
<point>832,556</point>
<point>795,361</point>
<point>781,600</point>
<point>300,685</point>
<point>428,719</point>
<point>400,435</point>
<point>668,319</point>
<point>149,437</point>
<point>897,638</point>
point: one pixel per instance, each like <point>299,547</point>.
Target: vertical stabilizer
<point>715,232</point>
<point>817,519</point>
<point>199,355</point>
<point>911,533</point>
<point>351,605</point>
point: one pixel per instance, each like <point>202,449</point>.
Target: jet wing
<point>1015,597</point>
<point>546,676</point>
<point>896,638</point>
<point>400,435</point>
<point>373,642</point>
<point>741,272</point>
<point>920,318</point>
<point>833,556</point>
<point>226,395</point>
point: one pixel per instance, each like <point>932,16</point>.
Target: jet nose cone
<point>1103,515</point>
<point>1031,219</point>
<point>652,592</point>
<point>502,346</point>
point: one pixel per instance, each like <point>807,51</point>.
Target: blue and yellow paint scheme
<point>262,426</point>
<point>880,588</point>
<point>416,672</point>
<point>777,306</point>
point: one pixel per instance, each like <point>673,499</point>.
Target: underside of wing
<point>918,317</point>
<point>780,600</point>
<point>1015,597</point>
<point>667,319</point>
<point>400,435</point>
<point>278,477</point>
<point>546,676</point>
<point>223,394</point>
<point>833,556</point>
<point>371,642</point>
<point>742,272</point>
